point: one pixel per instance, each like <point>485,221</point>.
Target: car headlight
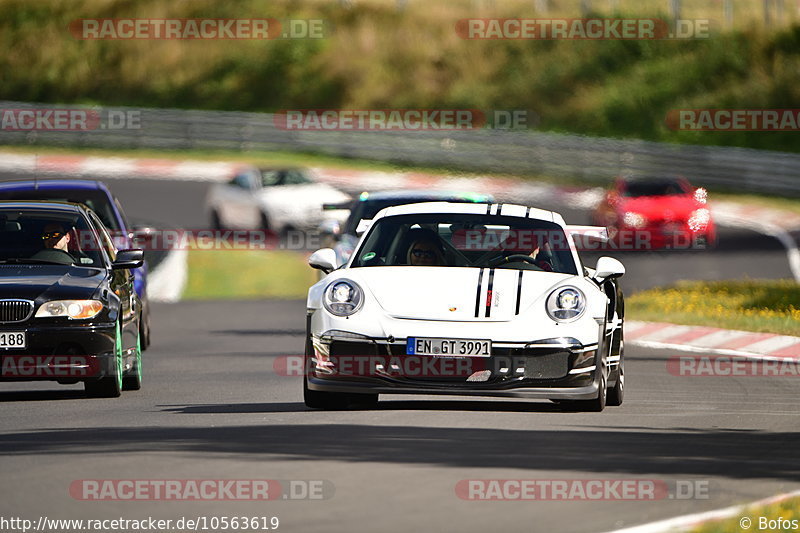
<point>699,219</point>
<point>634,220</point>
<point>343,297</point>
<point>566,304</point>
<point>70,308</point>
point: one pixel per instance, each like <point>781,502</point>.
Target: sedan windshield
<point>467,240</point>
<point>42,237</point>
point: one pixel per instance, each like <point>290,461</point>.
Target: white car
<point>465,299</point>
<point>278,200</point>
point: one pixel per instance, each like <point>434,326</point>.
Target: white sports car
<point>465,299</point>
<point>270,199</point>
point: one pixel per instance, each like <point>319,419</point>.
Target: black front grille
<point>15,310</point>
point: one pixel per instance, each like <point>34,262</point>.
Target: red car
<point>656,213</point>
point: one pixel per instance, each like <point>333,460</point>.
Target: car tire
<point>144,326</point>
<point>216,221</point>
<point>109,386</point>
<point>264,222</point>
<point>323,400</point>
<point>133,380</point>
<point>363,401</point>
<point>617,392</point>
<point>320,399</point>
<point>595,405</point>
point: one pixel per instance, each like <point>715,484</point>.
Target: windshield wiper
<point>28,260</point>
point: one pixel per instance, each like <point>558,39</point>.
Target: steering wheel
<point>512,258</point>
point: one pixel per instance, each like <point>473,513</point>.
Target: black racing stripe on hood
<point>478,295</point>
<point>489,293</point>
<point>519,291</point>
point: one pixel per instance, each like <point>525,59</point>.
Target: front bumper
<point>530,370</point>
<point>63,353</point>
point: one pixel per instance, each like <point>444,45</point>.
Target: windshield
<point>271,178</point>
<point>95,200</point>
<point>654,188</point>
<point>467,240</point>
<point>42,237</point>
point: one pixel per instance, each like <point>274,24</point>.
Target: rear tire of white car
<point>216,221</point>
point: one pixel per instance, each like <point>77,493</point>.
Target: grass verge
<point>247,274</point>
<point>753,305</point>
<point>380,55</point>
<point>760,519</point>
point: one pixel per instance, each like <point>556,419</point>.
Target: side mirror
<point>608,267</point>
<point>127,259</point>
<point>323,259</point>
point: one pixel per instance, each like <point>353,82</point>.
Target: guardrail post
<point>727,12</point>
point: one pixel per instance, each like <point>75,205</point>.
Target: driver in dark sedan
<point>56,241</point>
<point>54,236</point>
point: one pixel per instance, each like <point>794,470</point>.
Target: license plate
<point>12,339</point>
<point>448,347</point>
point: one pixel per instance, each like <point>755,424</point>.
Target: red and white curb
<point>712,340</point>
<point>691,521</point>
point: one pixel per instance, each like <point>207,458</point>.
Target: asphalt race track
<point>213,407</point>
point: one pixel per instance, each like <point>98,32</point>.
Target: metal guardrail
<point>568,156</point>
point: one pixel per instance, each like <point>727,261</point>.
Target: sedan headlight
<point>70,308</point>
<point>566,304</point>
<point>634,220</point>
<point>699,219</point>
<point>343,297</point>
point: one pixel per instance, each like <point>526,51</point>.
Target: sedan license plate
<point>448,347</point>
<point>12,339</point>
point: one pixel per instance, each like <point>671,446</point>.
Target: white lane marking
<point>682,523</point>
<point>167,281</point>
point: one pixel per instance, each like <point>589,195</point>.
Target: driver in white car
<point>425,249</point>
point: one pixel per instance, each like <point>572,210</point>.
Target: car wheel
<point>320,399</point>
<point>144,327</point>
<point>323,400</point>
<point>216,221</point>
<point>617,392</point>
<point>596,405</point>
<point>133,380</point>
<point>109,386</point>
<point>363,401</point>
<point>264,222</point>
